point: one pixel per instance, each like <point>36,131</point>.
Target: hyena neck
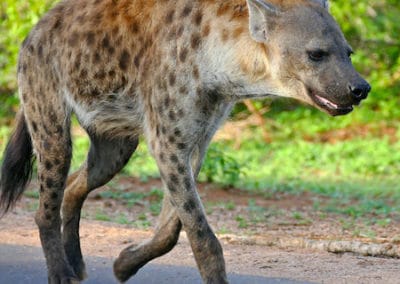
<point>231,61</point>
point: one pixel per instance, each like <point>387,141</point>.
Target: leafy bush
<point>16,19</point>
<point>220,167</point>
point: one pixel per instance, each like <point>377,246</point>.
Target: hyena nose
<point>360,91</point>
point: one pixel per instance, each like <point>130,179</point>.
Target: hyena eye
<point>317,55</point>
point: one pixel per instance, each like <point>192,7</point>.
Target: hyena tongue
<point>327,102</point>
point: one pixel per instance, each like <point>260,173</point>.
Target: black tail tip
<point>16,170</point>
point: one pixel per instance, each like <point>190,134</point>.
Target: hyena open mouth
<point>329,106</point>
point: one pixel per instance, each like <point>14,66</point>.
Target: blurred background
<point>279,146</point>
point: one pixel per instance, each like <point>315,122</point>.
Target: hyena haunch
<point>170,70</point>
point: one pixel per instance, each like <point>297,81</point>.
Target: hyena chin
<point>171,71</point>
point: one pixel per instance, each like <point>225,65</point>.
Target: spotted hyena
<point>170,70</point>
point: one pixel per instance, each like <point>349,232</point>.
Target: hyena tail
<point>16,169</point>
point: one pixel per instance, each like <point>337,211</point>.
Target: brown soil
<point>281,236</point>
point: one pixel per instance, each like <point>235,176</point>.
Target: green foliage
<point>16,19</point>
<point>220,167</point>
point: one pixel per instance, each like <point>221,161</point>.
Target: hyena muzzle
<point>168,70</point>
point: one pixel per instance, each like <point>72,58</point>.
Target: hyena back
<point>168,70</point>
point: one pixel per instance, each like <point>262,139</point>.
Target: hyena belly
<point>118,115</point>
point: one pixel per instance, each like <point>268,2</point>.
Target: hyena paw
<point>129,262</point>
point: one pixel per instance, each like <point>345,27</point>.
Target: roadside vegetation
<point>353,160</point>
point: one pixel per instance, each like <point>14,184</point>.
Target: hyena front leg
<point>178,177</point>
<point>166,235</point>
<point>132,258</point>
<point>106,158</point>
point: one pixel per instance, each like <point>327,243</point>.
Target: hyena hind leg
<point>106,158</point>
<point>52,143</point>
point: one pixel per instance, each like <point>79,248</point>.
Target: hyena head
<point>308,55</point>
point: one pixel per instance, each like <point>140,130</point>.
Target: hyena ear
<point>323,3</point>
<point>261,16</point>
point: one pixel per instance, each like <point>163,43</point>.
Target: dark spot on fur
<point>173,179</point>
<point>111,50</point>
<point>96,58</point>
<point>46,206</point>
<point>47,216</point>
<point>31,49</point>
<point>135,27</point>
<point>138,58</point>
<point>124,60</point>
<point>54,195</point>
<point>206,31</point>
<point>179,32</point>
<point>90,38</point>
<point>105,43</point>
<point>57,25</point>
<point>48,165</point>
<point>181,169</point>
<point>170,17</point>
<point>181,146</point>
<point>224,35</point>
<point>171,187</point>
<point>200,219</point>
<point>171,79</point>
<point>177,132</point>
<point>187,183</point>
<point>186,11</point>
<point>222,9</point>
<point>195,41</point>
<point>183,54</point>
<point>197,18</point>
<point>171,139</point>
<point>195,72</point>
<point>73,39</point>
<point>100,75</point>
<point>189,205</point>
<point>171,115</point>
<point>49,182</point>
<point>163,130</point>
<point>111,73</point>
<point>40,51</point>
<point>183,90</point>
<point>180,112</point>
<point>203,233</point>
<point>34,126</point>
<point>41,188</point>
<point>173,158</point>
<point>96,19</point>
<point>83,74</point>
<point>95,92</point>
<point>166,102</point>
<point>162,158</point>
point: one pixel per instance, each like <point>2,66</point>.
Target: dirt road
<point>102,241</point>
<point>24,264</point>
